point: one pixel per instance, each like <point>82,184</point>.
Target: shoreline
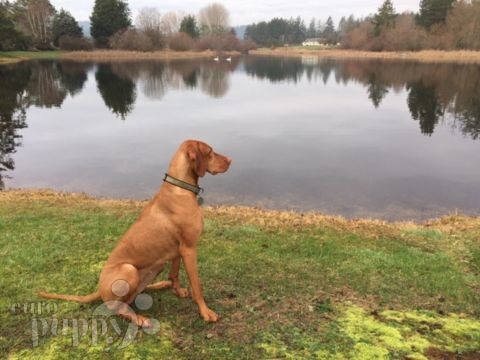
<point>110,55</point>
<point>253,215</point>
<point>120,55</point>
<point>424,56</point>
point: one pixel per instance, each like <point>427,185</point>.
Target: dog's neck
<point>181,169</point>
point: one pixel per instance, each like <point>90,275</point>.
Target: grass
<point>107,55</point>
<point>287,285</point>
<point>426,56</point>
<point>121,55</point>
<point>15,56</point>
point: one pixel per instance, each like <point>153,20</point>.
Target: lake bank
<point>8,57</point>
<point>321,285</point>
<point>119,55</point>
<point>426,56</point>
<point>110,55</point>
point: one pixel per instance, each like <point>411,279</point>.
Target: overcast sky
<point>244,12</point>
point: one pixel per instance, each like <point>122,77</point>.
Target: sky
<point>244,12</point>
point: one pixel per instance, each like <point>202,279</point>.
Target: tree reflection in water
<point>14,80</point>
<point>34,83</point>
<point>434,91</point>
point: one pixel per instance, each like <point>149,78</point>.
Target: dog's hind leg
<point>118,287</point>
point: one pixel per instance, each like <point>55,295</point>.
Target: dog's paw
<point>209,315</point>
<point>182,292</point>
<point>143,321</point>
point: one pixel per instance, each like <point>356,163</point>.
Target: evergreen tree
<point>385,17</point>
<point>329,32</point>
<point>10,38</point>
<point>312,29</point>
<point>433,11</point>
<point>108,17</point>
<point>64,24</point>
<point>189,26</point>
<point>342,25</point>
<point>277,32</point>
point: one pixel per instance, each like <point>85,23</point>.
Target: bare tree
<point>149,21</point>
<point>463,25</point>
<point>214,19</point>
<point>35,19</point>
<point>170,23</point>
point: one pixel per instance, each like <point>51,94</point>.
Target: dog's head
<point>203,159</point>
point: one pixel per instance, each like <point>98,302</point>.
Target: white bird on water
<point>216,58</point>
<point>229,59</point>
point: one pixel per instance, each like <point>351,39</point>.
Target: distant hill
<point>240,31</point>
<point>85,25</point>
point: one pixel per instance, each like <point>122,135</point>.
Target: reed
<point>426,56</point>
<point>121,55</point>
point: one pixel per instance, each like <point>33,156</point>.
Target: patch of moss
<point>157,346</point>
<point>408,334</point>
<point>451,332</point>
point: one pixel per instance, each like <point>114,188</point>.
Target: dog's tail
<point>78,298</point>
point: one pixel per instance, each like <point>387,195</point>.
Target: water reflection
<point>12,114</point>
<point>117,90</point>
<point>433,89</point>
<point>376,90</point>
<point>278,69</point>
<point>431,97</point>
<point>424,106</point>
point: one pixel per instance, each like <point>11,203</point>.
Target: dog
<point>168,229</point>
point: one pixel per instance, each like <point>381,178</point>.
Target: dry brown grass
<point>121,55</point>
<point>8,60</point>
<point>264,218</point>
<point>425,56</point>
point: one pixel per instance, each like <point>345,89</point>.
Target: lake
<point>393,140</point>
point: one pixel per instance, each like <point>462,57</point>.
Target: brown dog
<point>168,229</point>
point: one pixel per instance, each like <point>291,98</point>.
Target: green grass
<point>285,285</point>
<point>12,56</point>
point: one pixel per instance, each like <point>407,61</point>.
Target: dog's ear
<point>198,160</point>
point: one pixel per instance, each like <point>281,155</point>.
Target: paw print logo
<point>109,311</point>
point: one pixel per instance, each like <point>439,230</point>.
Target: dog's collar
<point>183,184</point>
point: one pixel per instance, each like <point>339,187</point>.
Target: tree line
<point>26,24</point>
<point>281,32</point>
<point>439,24</point>
<point>36,24</point>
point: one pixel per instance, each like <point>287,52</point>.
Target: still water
<point>393,140</point>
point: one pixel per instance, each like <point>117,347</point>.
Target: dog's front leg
<point>173,276</point>
<point>189,257</point>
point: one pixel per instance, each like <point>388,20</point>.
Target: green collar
<point>182,184</point>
